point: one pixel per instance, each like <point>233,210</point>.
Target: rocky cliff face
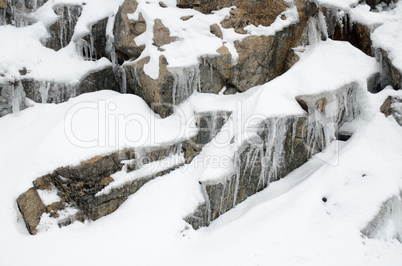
<point>249,53</point>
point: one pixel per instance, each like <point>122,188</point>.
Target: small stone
<point>185,18</point>
<point>324,199</point>
<point>162,4</point>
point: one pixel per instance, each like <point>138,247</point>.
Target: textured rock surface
<point>94,44</point>
<point>208,125</point>
<point>393,106</point>
<point>125,30</point>
<point>99,80</point>
<point>343,29</point>
<point>162,94</point>
<point>31,208</point>
<point>281,145</point>
<point>161,34</point>
<point>62,30</point>
<point>262,12</point>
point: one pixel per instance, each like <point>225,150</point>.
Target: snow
<point>286,224</point>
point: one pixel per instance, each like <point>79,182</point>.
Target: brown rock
<point>393,106</point>
<point>162,34</point>
<point>103,79</point>
<point>185,18</point>
<point>3,4</point>
<point>216,30</point>
<point>162,4</point>
<point>31,208</point>
<point>125,30</point>
<point>44,182</point>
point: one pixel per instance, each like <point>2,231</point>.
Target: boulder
<point>31,208</point>
<point>125,30</point>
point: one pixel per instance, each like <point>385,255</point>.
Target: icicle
<point>123,86</point>
<point>322,24</point>
<point>18,97</point>
<point>3,17</point>
<point>44,91</point>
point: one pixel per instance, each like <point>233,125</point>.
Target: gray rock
<point>62,30</point>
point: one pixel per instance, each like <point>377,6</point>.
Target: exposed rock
<point>162,4</point>
<point>343,29</point>
<point>374,3</point>
<point>31,208</point>
<point>161,34</point>
<point>393,106</point>
<point>12,97</point>
<point>389,74</point>
<point>208,125</point>
<point>125,30</point>
<point>216,30</point>
<point>172,86</point>
<point>185,18</point>
<point>62,30</point>
<point>281,145</point>
<point>99,80</point>
<point>94,44</point>
<point>43,183</point>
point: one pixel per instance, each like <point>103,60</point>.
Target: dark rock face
<point>281,145</point>
<point>393,106</point>
<point>344,30</point>
<point>99,80</point>
<point>94,45</point>
<point>31,208</point>
<point>62,30</point>
<point>374,3</point>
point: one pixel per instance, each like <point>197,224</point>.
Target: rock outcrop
<point>80,186</point>
<point>125,30</point>
<point>281,145</point>
<point>62,30</point>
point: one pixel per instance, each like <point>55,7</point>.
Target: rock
<point>163,94</point>
<point>94,44</point>
<point>185,18</point>
<point>345,30</point>
<point>392,106</point>
<point>3,4</point>
<point>62,30</point>
<point>389,74</point>
<point>374,3</point>
<point>43,183</point>
<point>162,4</point>
<point>31,208</point>
<point>125,30</point>
<point>282,145</point>
<point>161,34</point>
<point>99,80</point>
<point>208,126</point>
<point>216,30</point>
